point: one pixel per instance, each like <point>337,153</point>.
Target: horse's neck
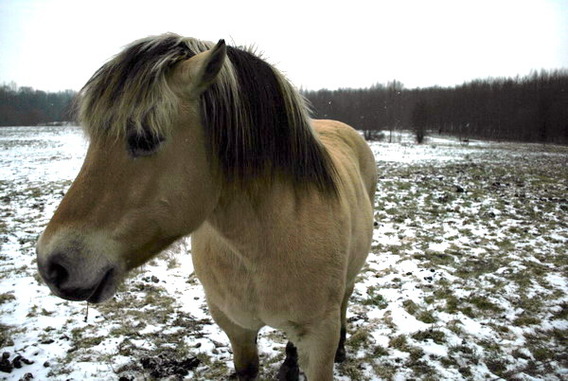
<point>251,222</point>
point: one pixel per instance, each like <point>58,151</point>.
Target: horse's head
<point>141,187</point>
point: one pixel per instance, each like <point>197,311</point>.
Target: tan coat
<point>280,207</point>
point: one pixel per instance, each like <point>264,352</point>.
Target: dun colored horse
<point>190,137</point>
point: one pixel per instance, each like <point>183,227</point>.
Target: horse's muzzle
<point>73,278</point>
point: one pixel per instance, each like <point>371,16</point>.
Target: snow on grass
<point>466,279</point>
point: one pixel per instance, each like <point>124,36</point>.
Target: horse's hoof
<point>288,373</point>
<point>340,355</point>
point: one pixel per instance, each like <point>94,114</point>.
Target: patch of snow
<point>467,232</point>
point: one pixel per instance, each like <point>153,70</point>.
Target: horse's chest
<point>272,286</point>
<point>253,300</point>
<point>228,284</point>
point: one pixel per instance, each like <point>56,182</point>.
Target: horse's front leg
<point>243,344</point>
<point>340,354</point>
<point>317,345</point>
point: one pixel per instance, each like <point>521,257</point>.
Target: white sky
<point>58,44</point>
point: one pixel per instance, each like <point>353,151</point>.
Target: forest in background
<point>530,109</point>
<point>24,106</point>
<point>533,108</point>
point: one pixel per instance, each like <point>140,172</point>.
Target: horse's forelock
<point>131,90</point>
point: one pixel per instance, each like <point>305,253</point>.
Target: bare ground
<point>467,279</point>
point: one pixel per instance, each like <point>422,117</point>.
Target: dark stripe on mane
<point>270,133</point>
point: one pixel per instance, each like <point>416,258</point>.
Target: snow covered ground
<point>467,278</point>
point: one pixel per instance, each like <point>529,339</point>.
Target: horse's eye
<point>143,143</point>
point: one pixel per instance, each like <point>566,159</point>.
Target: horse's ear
<point>194,75</point>
<point>213,64</point>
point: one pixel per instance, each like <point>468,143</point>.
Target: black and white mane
<point>256,123</point>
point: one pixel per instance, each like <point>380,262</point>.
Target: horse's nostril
<point>57,274</point>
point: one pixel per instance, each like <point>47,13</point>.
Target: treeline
<point>532,108</point>
<point>25,106</point>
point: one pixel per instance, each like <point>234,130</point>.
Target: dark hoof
<point>289,371</point>
<point>288,374</point>
<point>235,376</point>
<point>340,355</point>
<point>247,374</point>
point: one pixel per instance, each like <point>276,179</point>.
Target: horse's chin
<point>106,288</point>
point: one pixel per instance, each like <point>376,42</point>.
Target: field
<point>467,278</point>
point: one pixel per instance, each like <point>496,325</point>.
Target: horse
<point>188,137</point>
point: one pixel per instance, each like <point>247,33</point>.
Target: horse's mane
<point>256,123</point>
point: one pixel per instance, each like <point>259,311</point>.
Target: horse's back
<point>356,168</point>
<point>341,139</point>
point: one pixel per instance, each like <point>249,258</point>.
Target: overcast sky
<point>58,44</point>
